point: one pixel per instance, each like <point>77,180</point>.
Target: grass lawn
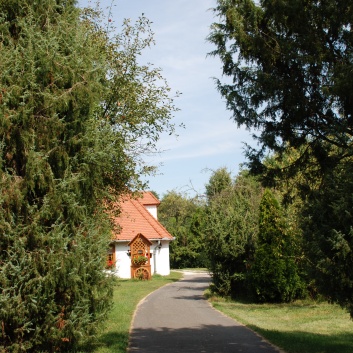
<point>127,294</point>
<point>300,327</point>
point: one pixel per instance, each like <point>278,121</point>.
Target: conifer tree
<point>230,231</point>
<point>219,181</point>
<point>64,148</point>
<point>327,226</point>
<point>274,273</point>
<point>290,67</point>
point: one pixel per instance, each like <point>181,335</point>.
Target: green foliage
<point>219,181</point>
<point>137,101</point>
<point>290,63</point>
<point>140,260</point>
<point>318,212</point>
<point>230,233</point>
<point>64,148</point>
<point>291,66</point>
<point>274,272</point>
<point>327,223</point>
<point>56,293</point>
<point>182,217</point>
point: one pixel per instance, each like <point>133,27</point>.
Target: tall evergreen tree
<point>291,66</point>
<point>64,148</point>
<point>274,272</point>
<point>230,232</point>
<point>327,221</point>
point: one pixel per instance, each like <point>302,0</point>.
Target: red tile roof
<point>134,219</point>
<point>148,199</point>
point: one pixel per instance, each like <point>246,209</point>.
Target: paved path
<point>177,319</point>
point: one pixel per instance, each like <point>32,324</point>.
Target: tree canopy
<point>180,215</point>
<point>220,180</point>
<point>292,71</point>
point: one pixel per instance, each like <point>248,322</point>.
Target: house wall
<point>152,209</point>
<point>123,261</point>
<point>161,256</point>
<point>160,259</point>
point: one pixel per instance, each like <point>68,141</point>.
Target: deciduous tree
<point>178,213</point>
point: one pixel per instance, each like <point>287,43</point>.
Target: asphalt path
<point>177,319</point>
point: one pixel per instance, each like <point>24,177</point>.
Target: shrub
<point>274,273</point>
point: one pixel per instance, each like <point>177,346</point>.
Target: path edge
<point>278,349</point>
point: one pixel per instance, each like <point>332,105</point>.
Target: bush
<point>230,232</point>
<point>274,273</point>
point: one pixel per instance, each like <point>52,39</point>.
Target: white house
<point>139,234</point>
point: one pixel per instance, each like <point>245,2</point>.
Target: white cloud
<point>210,139</point>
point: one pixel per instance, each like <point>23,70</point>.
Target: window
<point>111,257</point>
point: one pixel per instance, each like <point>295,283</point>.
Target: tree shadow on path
<point>204,339</point>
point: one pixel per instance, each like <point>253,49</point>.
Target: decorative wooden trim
<point>140,257</point>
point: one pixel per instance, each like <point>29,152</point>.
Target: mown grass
<point>127,294</point>
<point>299,327</point>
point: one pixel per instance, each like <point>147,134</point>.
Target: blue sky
<point>210,139</point>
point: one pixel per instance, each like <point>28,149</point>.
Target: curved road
<point>177,319</point>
